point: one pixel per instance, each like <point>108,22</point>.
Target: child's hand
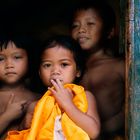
<point>15,109</point>
<point>28,117</point>
<point>62,95</point>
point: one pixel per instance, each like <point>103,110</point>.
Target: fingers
<point>52,90</point>
<point>23,105</point>
<point>57,84</point>
<point>58,87</point>
<point>70,92</point>
<point>11,99</point>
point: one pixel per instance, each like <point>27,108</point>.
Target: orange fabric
<point>46,110</point>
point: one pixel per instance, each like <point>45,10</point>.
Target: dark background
<point>39,18</point>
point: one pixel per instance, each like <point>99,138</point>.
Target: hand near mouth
<point>55,79</point>
<point>62,95</point>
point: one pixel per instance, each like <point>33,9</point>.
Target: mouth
<point>56,81</point>
<point>10,73</point>
<point>82,39</point>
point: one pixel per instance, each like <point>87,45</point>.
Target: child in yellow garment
<point>66,111</point>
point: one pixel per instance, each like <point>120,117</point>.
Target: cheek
<point>73,75</point>
<point>1,72</point>
<point>44,75</point>
<point>22,67</point>
<point>45,80</point>
<point>96,36</point>
<point>74,34</point>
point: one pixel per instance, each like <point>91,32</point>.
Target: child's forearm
<point>4,122</point>
<point>87,123</point>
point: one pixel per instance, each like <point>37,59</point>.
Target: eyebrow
<point>49,60</point>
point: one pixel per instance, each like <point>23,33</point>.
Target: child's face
<point>87,28</point>
<point>58,63</point>
<point>13,64</point>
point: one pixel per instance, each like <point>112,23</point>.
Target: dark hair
<point>108,16</point>
<point>25,42</point>
<point>68,43</point>
<point>104,10</point>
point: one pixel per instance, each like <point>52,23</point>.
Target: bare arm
<point>115,123</point>
<point>89,121</point>
<point>12,112</point>
<point>28,117</point>
<point>4,122</point>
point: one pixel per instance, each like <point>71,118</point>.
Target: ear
<point>78,73</point>
<point>111,34</point>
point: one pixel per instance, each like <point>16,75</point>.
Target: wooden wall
<point>132,44</point>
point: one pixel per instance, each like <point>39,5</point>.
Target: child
<point>93,28</point>
<point>14,95</point>
<point>65,111</point>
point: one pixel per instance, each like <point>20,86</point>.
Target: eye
<point>1,58</point>
<point>75,25</point>
<point>46,65</point>
<point>18,57</point>
<point>64,64</point>
<point>91,23</point>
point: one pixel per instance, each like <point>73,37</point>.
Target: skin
<point>52,65</point>
<point>87,28</point>
<point>13,64</point>
<point>56,70</point>
<point>104,75</point>
<point>14,97</point>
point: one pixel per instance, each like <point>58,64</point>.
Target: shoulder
<point>90,96</point>
<point>92,105</point>
<point>31,106</point>
<point>120,61</point>
<point>117,65</point>
<point>33,95</point>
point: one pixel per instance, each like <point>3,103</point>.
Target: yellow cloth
<point>46,110</point>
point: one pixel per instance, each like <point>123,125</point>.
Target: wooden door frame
<point>131,41</point>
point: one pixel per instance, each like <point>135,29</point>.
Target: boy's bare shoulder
<point>107,65</point>
<point>104,71</point>
<point>32,106</point>
<point>117,62</point>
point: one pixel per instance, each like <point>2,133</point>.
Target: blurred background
<point>39,18</point>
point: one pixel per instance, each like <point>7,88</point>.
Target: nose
<point>9,64</point>
<point>82,29</point>
<point>55,70</point>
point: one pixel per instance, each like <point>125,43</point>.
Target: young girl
<point>65,111</point>
<point>14,95</point>
<point>93,28</point>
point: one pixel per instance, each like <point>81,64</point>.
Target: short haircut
<point>23,41</point>
<point>103,9</point>
<point>68,43</point>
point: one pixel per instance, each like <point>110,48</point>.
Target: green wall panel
<point>134,72</point>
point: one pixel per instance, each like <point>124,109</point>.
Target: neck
<point>94,58</point>
<point>99,54</point>
<point>15,87</point>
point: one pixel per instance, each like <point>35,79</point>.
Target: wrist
<point>4,117</point>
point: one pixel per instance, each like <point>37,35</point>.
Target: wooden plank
<point>133,41</point>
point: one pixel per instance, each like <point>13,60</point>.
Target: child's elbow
<point>95,134</point>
